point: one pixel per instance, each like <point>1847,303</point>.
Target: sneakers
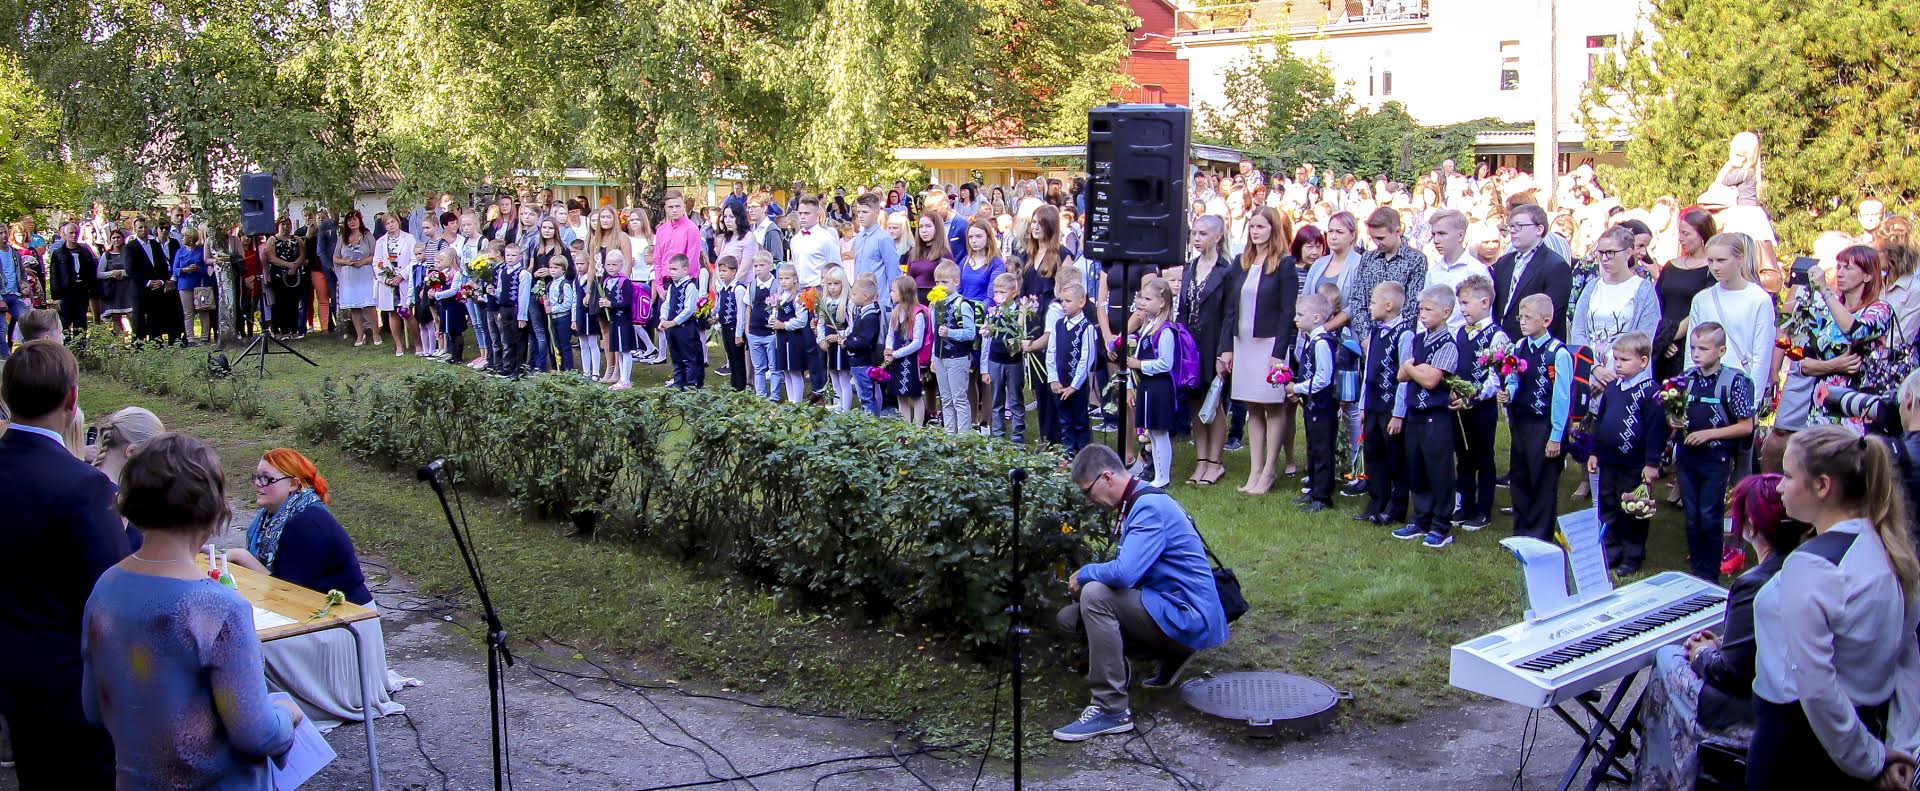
<point>1435,540</point>
<point>1168,673</point>
<point>1314,507</point>
<point>1409,532</point>
<point>1234,444</point>
<point>1355,488</point>
<point>1094,722</point>
<point>1475,523</point>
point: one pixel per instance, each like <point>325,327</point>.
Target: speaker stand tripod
<point>264,344</point>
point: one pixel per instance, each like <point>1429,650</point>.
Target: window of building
<point>1386,82</point>
<point>1153,94</point>
<point>1599,48</point>
<point>1509,65</point>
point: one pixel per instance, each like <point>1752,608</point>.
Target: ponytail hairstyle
<point>1862,472</point>
<point>298,467</point>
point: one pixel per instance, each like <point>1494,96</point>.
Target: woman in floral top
<point>1853,334</point>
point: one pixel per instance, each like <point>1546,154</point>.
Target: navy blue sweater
<point>1631,425</point>
<point>315,553</point>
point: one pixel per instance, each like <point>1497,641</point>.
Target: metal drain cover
<point>1268,703</point>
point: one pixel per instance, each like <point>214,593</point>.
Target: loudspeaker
<point>257,210</point>
<point>1137,170</point>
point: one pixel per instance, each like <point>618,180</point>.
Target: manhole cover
<point>1266,702</point>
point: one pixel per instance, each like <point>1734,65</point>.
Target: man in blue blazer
<point>1156,597</point>
<point>60,534</point>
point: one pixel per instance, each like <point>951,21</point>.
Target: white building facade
<point>1446,61</point>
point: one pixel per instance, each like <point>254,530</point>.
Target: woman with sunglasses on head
<point>295,538</point>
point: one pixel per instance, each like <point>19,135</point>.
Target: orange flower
<point>1797,353</point>
<point>809,298</point>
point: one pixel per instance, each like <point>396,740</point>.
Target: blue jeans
<point>17,309</point>
<point>477,316</point>
<point>869,394</point>
<point>1703,490</point>
<point>539,355</point>
<point>765,380</point>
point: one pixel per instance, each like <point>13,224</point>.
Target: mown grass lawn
<point>1332,598</point>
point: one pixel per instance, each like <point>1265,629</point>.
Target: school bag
<point>1582,390</point>
<point>925,355</point>
<point>641,293</point>
<point>1186,359</point>
<point>1347,361</point>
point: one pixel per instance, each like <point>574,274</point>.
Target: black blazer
<point>61,534</point>
<point>1726,696</point>
<point>1273,305</point>
<point>140,267</point>
<point>1203,308</point>
<point>1547,274</point>
<point>68,279</point>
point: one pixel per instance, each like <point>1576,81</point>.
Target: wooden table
<point>299,604</point>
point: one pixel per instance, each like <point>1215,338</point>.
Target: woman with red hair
<point>295,538</point>
<point>1702,691</point>
<point>1854,336</point>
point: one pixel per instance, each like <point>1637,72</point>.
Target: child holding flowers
<point>861,342</point>
<point>953,352</point>
<point>830,327</point>
<point>1158,402</point>
<point>1627,445</point>
<point>906,336</point>
<point>1016,335</point>
<point>790,322</point>
<point>616,299</point>
<point>1716,409</point>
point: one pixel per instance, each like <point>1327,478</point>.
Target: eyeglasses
<point>1599,253</point>
<point>1512,226</point>
<point>264,481</point>
<point>1087,490</point>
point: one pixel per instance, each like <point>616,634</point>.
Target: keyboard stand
<point>1620,745</point>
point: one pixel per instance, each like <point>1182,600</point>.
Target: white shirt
<point>1748,316</point>
<point>1451,274</point>
<point>1610,312</point>
<point>813,249</point>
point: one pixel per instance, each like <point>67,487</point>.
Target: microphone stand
<point>1017,591</point>
<point>497,652</point>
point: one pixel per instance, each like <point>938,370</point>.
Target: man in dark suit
<point>72,274</point>
<point>142,270</point>
<point>61,534</point>
<point>163,301</point>
<point>1530,268</point>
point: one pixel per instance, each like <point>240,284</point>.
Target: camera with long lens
<point>1881,412</point>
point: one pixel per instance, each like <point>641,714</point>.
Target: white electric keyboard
<point>1545,663</point>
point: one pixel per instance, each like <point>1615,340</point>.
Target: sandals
<point>1196,480</point>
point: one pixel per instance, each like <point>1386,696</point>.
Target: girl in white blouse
<point>1838,666</point>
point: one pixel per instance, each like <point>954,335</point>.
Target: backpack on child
<point>924,357</point>
<point>1186,359</point>
<point>1582,389</point>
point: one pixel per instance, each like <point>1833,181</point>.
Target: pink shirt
<point>675,238</point>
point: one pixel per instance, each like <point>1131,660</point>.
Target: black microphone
<point>432,470</point>
<point>1017,473</point>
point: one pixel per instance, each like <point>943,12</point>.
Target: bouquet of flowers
<point>1501,359</point>
<point>466,293</point>
<point>1794,351</point>
<point>1279,376</point>
<point>1673,397</point>
<point>1008,322</point>
<point>436,280</point>
<point>809,298</point>
<point>1639,503</point>
<point>937,295</point>
<point>703,310</point>
<point>1463,390</point>
<point>879,375</point>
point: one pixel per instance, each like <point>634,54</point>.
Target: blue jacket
<point>1161,555</point>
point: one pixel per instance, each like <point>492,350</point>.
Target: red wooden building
<point>1158,73</point>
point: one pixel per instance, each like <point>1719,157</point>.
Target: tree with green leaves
<point>1830,87</point>
<point>29,152</point>
<point>1285,110</point>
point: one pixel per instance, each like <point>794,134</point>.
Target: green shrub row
<point>843,510</point>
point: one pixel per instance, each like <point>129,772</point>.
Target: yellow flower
<point>938,294</point>
<point>1066,529</point>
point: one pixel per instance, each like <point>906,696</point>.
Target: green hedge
<point>845,509</point>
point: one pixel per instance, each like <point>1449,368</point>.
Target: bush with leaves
<point>842,510</point>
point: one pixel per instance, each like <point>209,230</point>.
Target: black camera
<point>1882,413</point>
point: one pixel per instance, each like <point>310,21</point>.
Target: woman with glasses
<point>295,538</point>
<point>1614,303</point>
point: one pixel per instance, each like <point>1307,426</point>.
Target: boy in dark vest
<point>1429,422</point>
<point>677,321</point>
<point>1628,437</point>
<point>1479,421</point>
<point>863,341</point>
<point>1383,406</point>
<point>513,292</point>
<point>1539,403</point>
<point>1313,388</point>
<point>726,311</point>
<point>1073,347</point>
<point>1719,411</point>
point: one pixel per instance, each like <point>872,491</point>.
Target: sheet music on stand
<point>1583,532</point>
<point>1543,576</point>
<point>1544,567</point>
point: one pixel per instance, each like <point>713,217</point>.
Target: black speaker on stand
<point>1138,161</point>
<point>257,208</point>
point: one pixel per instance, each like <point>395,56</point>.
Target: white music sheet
<point>264,620</point>
<point>1581,530</point>
<point>1543,576</point>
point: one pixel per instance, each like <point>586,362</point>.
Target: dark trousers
<point>1473,457</point>
<point>496,340</point>
<point>452,315</point>
<point>689,366</point>
<point>1046,409</point>
<point>1321,430</point>
<point>1626,542</point>
<point>1429,438</point>
<point>561,333</point>
<point>537,354</point>
<point>1786,754</point>
<point>1386,458</point>
<point>736,359</point>
<point>1071,412</point>
<point>73,312</point>
<point>1703,489</point>
<point>513,344</point>
<point>53,744</point>
<point>1237,421</point>
<point>1534,478</point>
